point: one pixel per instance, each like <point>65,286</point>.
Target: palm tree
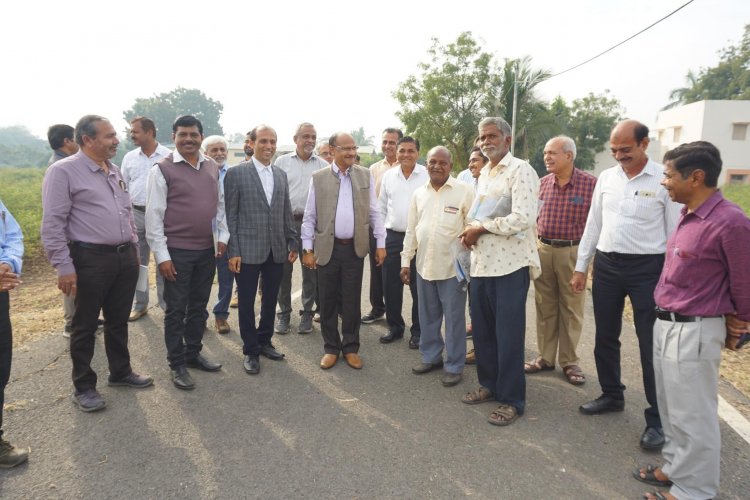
<point>678,96</point>
<point>360,139</point>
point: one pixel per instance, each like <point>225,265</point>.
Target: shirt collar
<point>93,166</point>
<point>707,206</point>
<point>260,166</point>
<point>336,170</point>
<point>451,183</point>
<point>157,151</point>
<point>177,157</point>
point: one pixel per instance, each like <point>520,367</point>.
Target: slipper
<point>574,374</point>
<point>659,495</point>
<point>478,395</point>
<point>536,366</point>
<point>649,476</point>
<point>503,415</point>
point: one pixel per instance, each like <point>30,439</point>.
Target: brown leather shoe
<point>353,360</point>
<point>328,361</point>
<point>471,357</point>
<point>222,326</point>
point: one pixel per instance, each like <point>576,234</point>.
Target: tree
<point>361,139</point>
<point>591,121</point>
<point>20,148</point>
<point>166,107</point>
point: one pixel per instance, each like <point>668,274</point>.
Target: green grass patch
<point>738,193</point>
<point>21,191</point>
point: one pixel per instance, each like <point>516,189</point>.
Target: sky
<point>335,63</point>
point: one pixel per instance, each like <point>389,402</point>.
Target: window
<point>676,134</point>
<point>239,154</point>
<point>739,131</point>
<point>737,179</point>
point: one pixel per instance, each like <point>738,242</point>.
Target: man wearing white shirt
<point>630,219</point>
<point>396,189</point>
<point>183,200</point>
<point>299,166</point>
<point>135,168</point>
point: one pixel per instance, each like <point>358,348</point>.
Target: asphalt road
<point>296,431</point>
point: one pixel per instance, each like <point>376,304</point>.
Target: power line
<point>626,40</point>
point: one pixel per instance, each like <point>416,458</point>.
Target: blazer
<point>255,228</point>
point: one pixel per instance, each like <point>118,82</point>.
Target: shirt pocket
<point>683,267</point>
<point>647,207</point>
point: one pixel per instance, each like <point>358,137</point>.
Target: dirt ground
<point>36,311</point>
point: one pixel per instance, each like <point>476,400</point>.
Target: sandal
<point>503,415</point>
<point>647,475</point>
<point>478,395</point>
<point>574,374</point>
<point>658,495</point>
<point>536,366</point>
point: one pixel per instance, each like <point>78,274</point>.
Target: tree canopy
<point>164,108</point>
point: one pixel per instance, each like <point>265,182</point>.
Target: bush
<point>21,191</point>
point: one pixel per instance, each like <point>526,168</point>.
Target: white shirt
<point>436,218</point>
<point>156,207</point>
<point>511,241</point>
<point>631,216</point>
<point>395,195</point>
<point>378,169</point>
<point>466,177</point>
<point>266,178</point>
<point>135,168</point>
<point>298,175</point>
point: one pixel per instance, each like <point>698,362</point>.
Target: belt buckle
<point>122,248</point>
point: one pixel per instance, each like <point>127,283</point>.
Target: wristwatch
<point>306,251</point>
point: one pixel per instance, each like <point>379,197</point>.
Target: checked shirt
<point>563,210</point>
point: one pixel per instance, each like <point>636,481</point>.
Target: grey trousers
<point>437,299</point>
<point>686,368</point>
<point>141,298</point>
<point>309,284</point>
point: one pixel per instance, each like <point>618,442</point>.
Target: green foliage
<point>166,107</point>
<point>368,159</point>
<point>21,191</point>
<point>19,147</point>
<point>591,120</point>
<point>361,138</point>
<point>739,194</point>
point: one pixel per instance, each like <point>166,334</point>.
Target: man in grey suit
<point>261,238</point>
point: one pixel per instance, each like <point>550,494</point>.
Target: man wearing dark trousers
<point>90,238</point>
<point>11,252</point>
<point>627,228</point>
<point>261,226</point>
<point>341,208</point>
<point>183,199</point>
<point>396,190</point>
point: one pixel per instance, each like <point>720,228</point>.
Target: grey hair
<point>317,147</point>
<point>568,144</point>
<point>501,124</point>
<point>443,149</point>
<point>213,139</point>
<point>86,126</point>
<point>301,126</point>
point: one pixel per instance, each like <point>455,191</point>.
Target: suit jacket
<point>255,228</point>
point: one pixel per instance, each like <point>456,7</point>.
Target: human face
<point>324,151</point>
<point>679,189</point>
<point>305,141</point>
<point>556,160</point>
<point>218,152</point>
<point>187,141</point>
<point>69,146</point>
<point>248,148</point>
<point>493,143</point>
<point>389,145</point>
<point>345,151</point>
<point>104,145</point>
<point>439,167</point>
<point>476,162</point>
<point>138,136</point>
<point>629,153</point>
<point>264,145</point>
<point>407,154</point>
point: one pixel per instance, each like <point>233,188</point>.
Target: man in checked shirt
<point>564,202</point>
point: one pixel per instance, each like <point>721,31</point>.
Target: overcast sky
<point>334,63</point>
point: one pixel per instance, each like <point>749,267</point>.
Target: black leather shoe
<point>201,363</point>
<point>390,337</point>
<point>252,365</point>
<point>652,438</point>
<point>270,352</point>
<point>182,379</point>
<point>602,404</point>
<point>414,342</point>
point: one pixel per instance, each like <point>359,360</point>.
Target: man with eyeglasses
<point>341,208</point>
<point>627,228</point>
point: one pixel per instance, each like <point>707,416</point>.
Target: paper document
<point>142,285</point>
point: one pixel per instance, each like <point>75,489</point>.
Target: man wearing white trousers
<point>437,215</point>
<point>703,303</point>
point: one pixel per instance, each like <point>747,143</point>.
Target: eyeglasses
<point>348,149</point>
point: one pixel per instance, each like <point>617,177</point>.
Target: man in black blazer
<point>261,238</point>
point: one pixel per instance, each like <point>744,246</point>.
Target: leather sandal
<point>503,415</point>
<point>647,475</point>
<point>477,396</point>
<point>574,374</point>
<point>536,366</point>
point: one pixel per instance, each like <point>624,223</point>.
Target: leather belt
<point>625,256</point>
<point>559,243</point>
<point>665,315</point>
<point>343,241</point>
<point>298,217</point>
<point>103,248</point>
<point>140,208</point>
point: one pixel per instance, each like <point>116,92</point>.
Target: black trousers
<point>6,350</point>
<point>393,287</point>
<point>377,306</point>
<point>615,277</point>
<point>247,287</point>
<point>341,277</point>
<point>186,298</point>
<point>106,283</point>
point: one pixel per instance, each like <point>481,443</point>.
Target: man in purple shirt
<point>89,237</point>
<point>703,302</point>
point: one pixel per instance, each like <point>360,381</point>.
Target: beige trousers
<point>559,311</point>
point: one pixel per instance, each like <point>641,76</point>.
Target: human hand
<point>308,260</point>
<point>68,284</point>
<point>234,264</point>
<point>379,256</point>
<point>405,275</point>
<point>578,282</point>
<point>221,249</point>
<point>167,270</point>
